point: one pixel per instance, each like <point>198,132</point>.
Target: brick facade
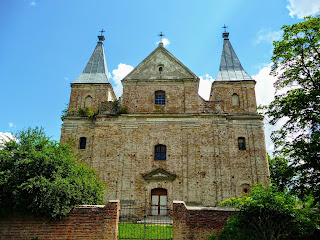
<point>197,223</point>
<point>201,137</point>
<point>82,223</point>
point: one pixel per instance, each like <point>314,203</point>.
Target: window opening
<point>83,142</point>
<point>160,69</point>
<point>88,101</point>
<point>160,98</point>
<point>160,152</point>
<point>235,100</point>
<point>242,143</point>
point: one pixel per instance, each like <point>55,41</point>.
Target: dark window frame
<point>242,143</point>
<point>160,152</point>
<point>160,97</point>
<point>82,143</point>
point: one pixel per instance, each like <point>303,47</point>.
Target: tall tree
<point>296,64</point>
<point>39,176</point>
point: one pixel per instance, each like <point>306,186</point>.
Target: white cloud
<point>265,94</point>
<point>66,78</point>
<point>264,87</point>
<point>11,125</point>
<point>268,36</point>
<point>5,137</point>
<point>303,8</point>
<point>165,42</point>
<point>118,74</point>
<point>33,4</point>
<point>205,86</point>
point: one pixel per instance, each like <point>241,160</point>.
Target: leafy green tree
<point>281,173</point>
<point>296,64</point>
<point>42,177</point>
<point>267,214</point>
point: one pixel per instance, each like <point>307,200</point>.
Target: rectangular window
<point>160,98</point>
<point>160,152</point>
<point>242,143</point>
<point>82,143</point>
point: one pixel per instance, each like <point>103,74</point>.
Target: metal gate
<point>137,222</point>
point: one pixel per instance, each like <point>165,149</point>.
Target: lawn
<point>139,231</point>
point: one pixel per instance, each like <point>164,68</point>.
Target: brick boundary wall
<point>196,223</point>
<point>83,223</point>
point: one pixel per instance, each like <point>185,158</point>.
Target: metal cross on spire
<point>161,35</point>
<point>102,31</point>
<point>225,28</point>
<point>101,37</point>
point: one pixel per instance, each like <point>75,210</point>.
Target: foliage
<point>212,237</point>
<point>41,176</point>
<point>88,112</point>
<point>118,108</point>
<point>296,64</point>
<point>281,173</point>
<point>267,214</point>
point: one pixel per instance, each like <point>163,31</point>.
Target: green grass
<point>136,231</point>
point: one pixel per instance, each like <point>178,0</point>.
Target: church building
<point>161,141</point>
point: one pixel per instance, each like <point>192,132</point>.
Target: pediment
<point>172,68</point>
<point>159,175</point>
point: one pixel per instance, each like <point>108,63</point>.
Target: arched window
<point>82,143</point>
<point>242,143</point>
<point>235,100</point>
<point>160,98</point>
<point>88,101</point>
<point>160,152</point>
<point>245,188</point>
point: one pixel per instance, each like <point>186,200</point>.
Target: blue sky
<point>46,44</point>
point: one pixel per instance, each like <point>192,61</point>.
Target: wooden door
<point>159,202</point>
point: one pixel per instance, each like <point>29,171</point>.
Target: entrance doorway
<point>159,202</point>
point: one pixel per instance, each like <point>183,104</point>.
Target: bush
<point>41,177</point>
<point>267,214</point>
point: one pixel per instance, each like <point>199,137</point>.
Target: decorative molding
<point>159,175</point>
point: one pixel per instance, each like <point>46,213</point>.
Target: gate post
<point>180,219</point>
<point>112,217</point>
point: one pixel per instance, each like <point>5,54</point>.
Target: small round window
<point>160,69</point>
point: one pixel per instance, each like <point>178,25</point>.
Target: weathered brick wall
<point>197,223</point>
<point>83,223</point>
<point>181,96</point>
<point>201,151</point>
<point>223,90</point>
<point>99,92</point>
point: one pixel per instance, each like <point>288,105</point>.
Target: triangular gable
<point>159,175</point>
<point>172,68</point>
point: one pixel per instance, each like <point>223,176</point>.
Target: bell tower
<point>92,87</point>
<point>233,84</point>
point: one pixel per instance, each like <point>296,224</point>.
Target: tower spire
<point>96,70</point>
<point>230,66</point>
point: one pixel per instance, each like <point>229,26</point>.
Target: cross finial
<point>161,35</point>
<point>225,28</point>
<point>101,37</point>
<point>225,35</point>
<point>102,31</point>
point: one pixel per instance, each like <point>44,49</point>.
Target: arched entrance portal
<point>159,202</point>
